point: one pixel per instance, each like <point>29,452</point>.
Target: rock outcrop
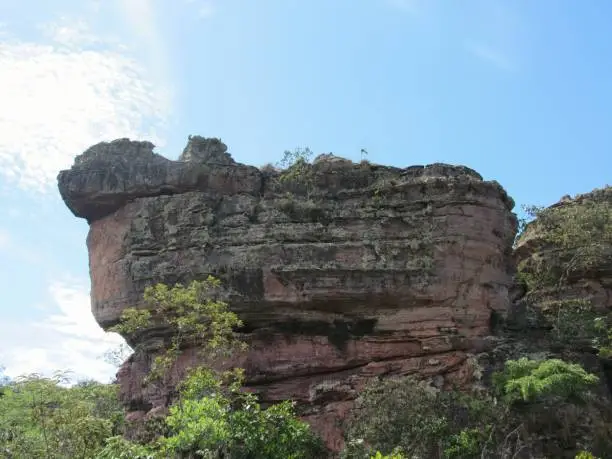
<point>343,274</point>
<point>564,265</point>
<point>566,253</point>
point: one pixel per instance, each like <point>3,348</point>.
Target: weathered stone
<point>584,259</point>
<point>553,316</point>
<point>358,272</point>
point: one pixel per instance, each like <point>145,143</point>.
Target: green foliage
<point>214,418</point>
<point>118,447</point>
<point>394,455</point>
<point>530,380</point>
<point>409,417</point>
<point>585,455</point>
<point>301,209</point>
<point>578,234</point>
<point>193,316</point>
<point>574,321</point>
<point>297,169</point>
<point>132,320</point>
<point>39,418</point>
<point>602,340</point>
<point>545,407</point>
<point>466,444</point>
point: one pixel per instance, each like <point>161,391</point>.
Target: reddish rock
<point>360,271</point>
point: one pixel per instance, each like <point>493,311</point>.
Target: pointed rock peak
<point>206,150</point>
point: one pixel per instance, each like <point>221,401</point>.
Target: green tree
<point>406,416</point>
<point>543,408</point>
<point>41,418</point>
<point>212,417</point>
<point>194,317</point>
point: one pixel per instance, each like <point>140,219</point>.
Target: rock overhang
<point>365,270</point>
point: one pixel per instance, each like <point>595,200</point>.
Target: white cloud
<point>60,98</point>
<point>71,32</point>
<point>68,339</point>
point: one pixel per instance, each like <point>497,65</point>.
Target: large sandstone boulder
<point>350,272</point>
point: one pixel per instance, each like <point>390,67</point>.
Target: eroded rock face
<point>354,271</point>
<point>567,253</point>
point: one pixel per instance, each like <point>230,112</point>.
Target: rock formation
<point>345,273</point>
<point>566,253</point>
<point>564,264</point>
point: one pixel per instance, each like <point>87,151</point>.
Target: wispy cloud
<point>68,339</point>
<point>72,32</point>
<point>61,96</point>
<point>491,55</point>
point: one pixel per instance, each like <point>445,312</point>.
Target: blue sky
<point>519,90</point>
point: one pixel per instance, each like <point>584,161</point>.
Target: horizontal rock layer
<point>350,272</point>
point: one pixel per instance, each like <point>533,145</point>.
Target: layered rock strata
<point>342,273</point>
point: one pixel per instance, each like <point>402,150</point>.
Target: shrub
<point>417,420</point>
<point>530,380</point>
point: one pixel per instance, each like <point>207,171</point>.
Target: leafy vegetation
<point>297,170</point>
<point>406,418</point>
<point>212,417</point>
<point>536,408</point>
<point>530,380</point>
<point>194,316</point>
<point>576,238</point>
<point>40,418</point>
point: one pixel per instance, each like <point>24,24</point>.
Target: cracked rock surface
<point>354,271</point>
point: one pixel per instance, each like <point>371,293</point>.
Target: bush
<point>531,380</point>
<point>407,416</point>
<point>544,409</point>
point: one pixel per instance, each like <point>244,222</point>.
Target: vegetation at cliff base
<point>531,407</point>
<point>538,409</point>
<point>211,416</point>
